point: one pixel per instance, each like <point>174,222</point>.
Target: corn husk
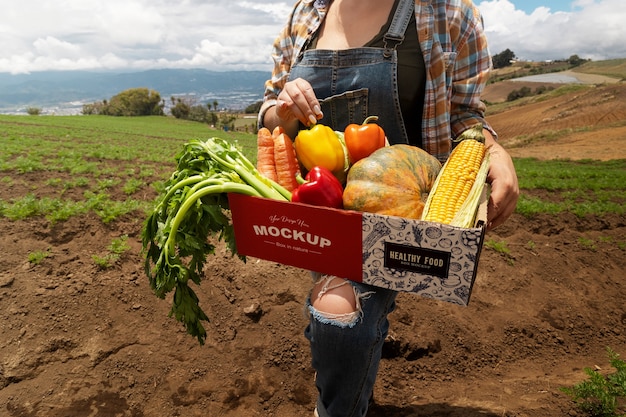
<point>466,216</point>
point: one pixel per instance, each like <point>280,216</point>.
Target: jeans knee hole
<point>335,301</point>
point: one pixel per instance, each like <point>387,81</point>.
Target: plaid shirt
<point>455,53</point>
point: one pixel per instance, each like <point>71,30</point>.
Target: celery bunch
<point>194,207</point>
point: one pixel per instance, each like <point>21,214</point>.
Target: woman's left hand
<point>504,185</point>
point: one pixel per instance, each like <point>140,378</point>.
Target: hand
<point>297,101</point>
<point>504,185</point>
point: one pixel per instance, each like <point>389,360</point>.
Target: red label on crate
<point>309,237</point>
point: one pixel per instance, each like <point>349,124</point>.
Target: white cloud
<point>130,23</point>
<point>54,48</point>
<point>593,30</point>
<point>38,35</point>
<point>281,9</point>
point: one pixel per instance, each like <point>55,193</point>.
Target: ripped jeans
<point>346,350</point>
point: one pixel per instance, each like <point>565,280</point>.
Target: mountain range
<point>66,91</point>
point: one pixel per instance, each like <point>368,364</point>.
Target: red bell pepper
<point>321,188</point>
<point>362,140</point>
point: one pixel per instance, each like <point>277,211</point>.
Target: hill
<point>584,118</point>
<point>613,68</point>
<point>551,75</point>
<point>64,90</point>
<point>573,121</point>
<point>80,339</point>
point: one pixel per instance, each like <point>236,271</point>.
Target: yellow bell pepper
<point>321,146</point>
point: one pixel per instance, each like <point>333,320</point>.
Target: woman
<point>420,66</point>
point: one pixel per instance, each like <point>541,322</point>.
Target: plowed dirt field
<point>79,341</point>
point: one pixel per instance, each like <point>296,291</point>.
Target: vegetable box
<point>429,259</point>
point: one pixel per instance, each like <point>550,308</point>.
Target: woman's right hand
<point>297,101</point>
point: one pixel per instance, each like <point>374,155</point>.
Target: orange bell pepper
<point>362,140</point>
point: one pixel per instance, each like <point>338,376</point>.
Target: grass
<point>36,257</point>
<point>602,395</point>
<point>580,187</point>
<point>58,167</point>
<point>84,138</point>
<point>502,248</point>
<point>615,68</point>
<point>116,249</point>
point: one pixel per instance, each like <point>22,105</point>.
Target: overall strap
<point>395,34</point>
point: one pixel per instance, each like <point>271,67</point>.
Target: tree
<point>136,102</point>
<point>212,118</point>
<point>199,113</point>
<point>575,60</point>
<point>503,59</point>
<point>227,121</point>
<point>254,108</point>
<point>131,102</point>
<point>180,108</point>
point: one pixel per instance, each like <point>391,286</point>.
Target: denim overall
<point>353,84</point>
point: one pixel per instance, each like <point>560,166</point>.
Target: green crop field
<point>61,166</point>
<point>581,187</point>
<point>66,165</point>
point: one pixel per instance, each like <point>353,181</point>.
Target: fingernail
<point>312,119</point>
<point>317,110</point>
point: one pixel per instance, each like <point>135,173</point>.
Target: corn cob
<point>455,195</point>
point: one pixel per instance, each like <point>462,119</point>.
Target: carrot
<point>287,167</point>
<point>265,154</point>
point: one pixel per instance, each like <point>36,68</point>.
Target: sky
<point>128,35</point>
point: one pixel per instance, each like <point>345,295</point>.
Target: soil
<point>77,340</point>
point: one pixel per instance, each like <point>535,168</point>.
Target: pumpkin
<point>394,180</point>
